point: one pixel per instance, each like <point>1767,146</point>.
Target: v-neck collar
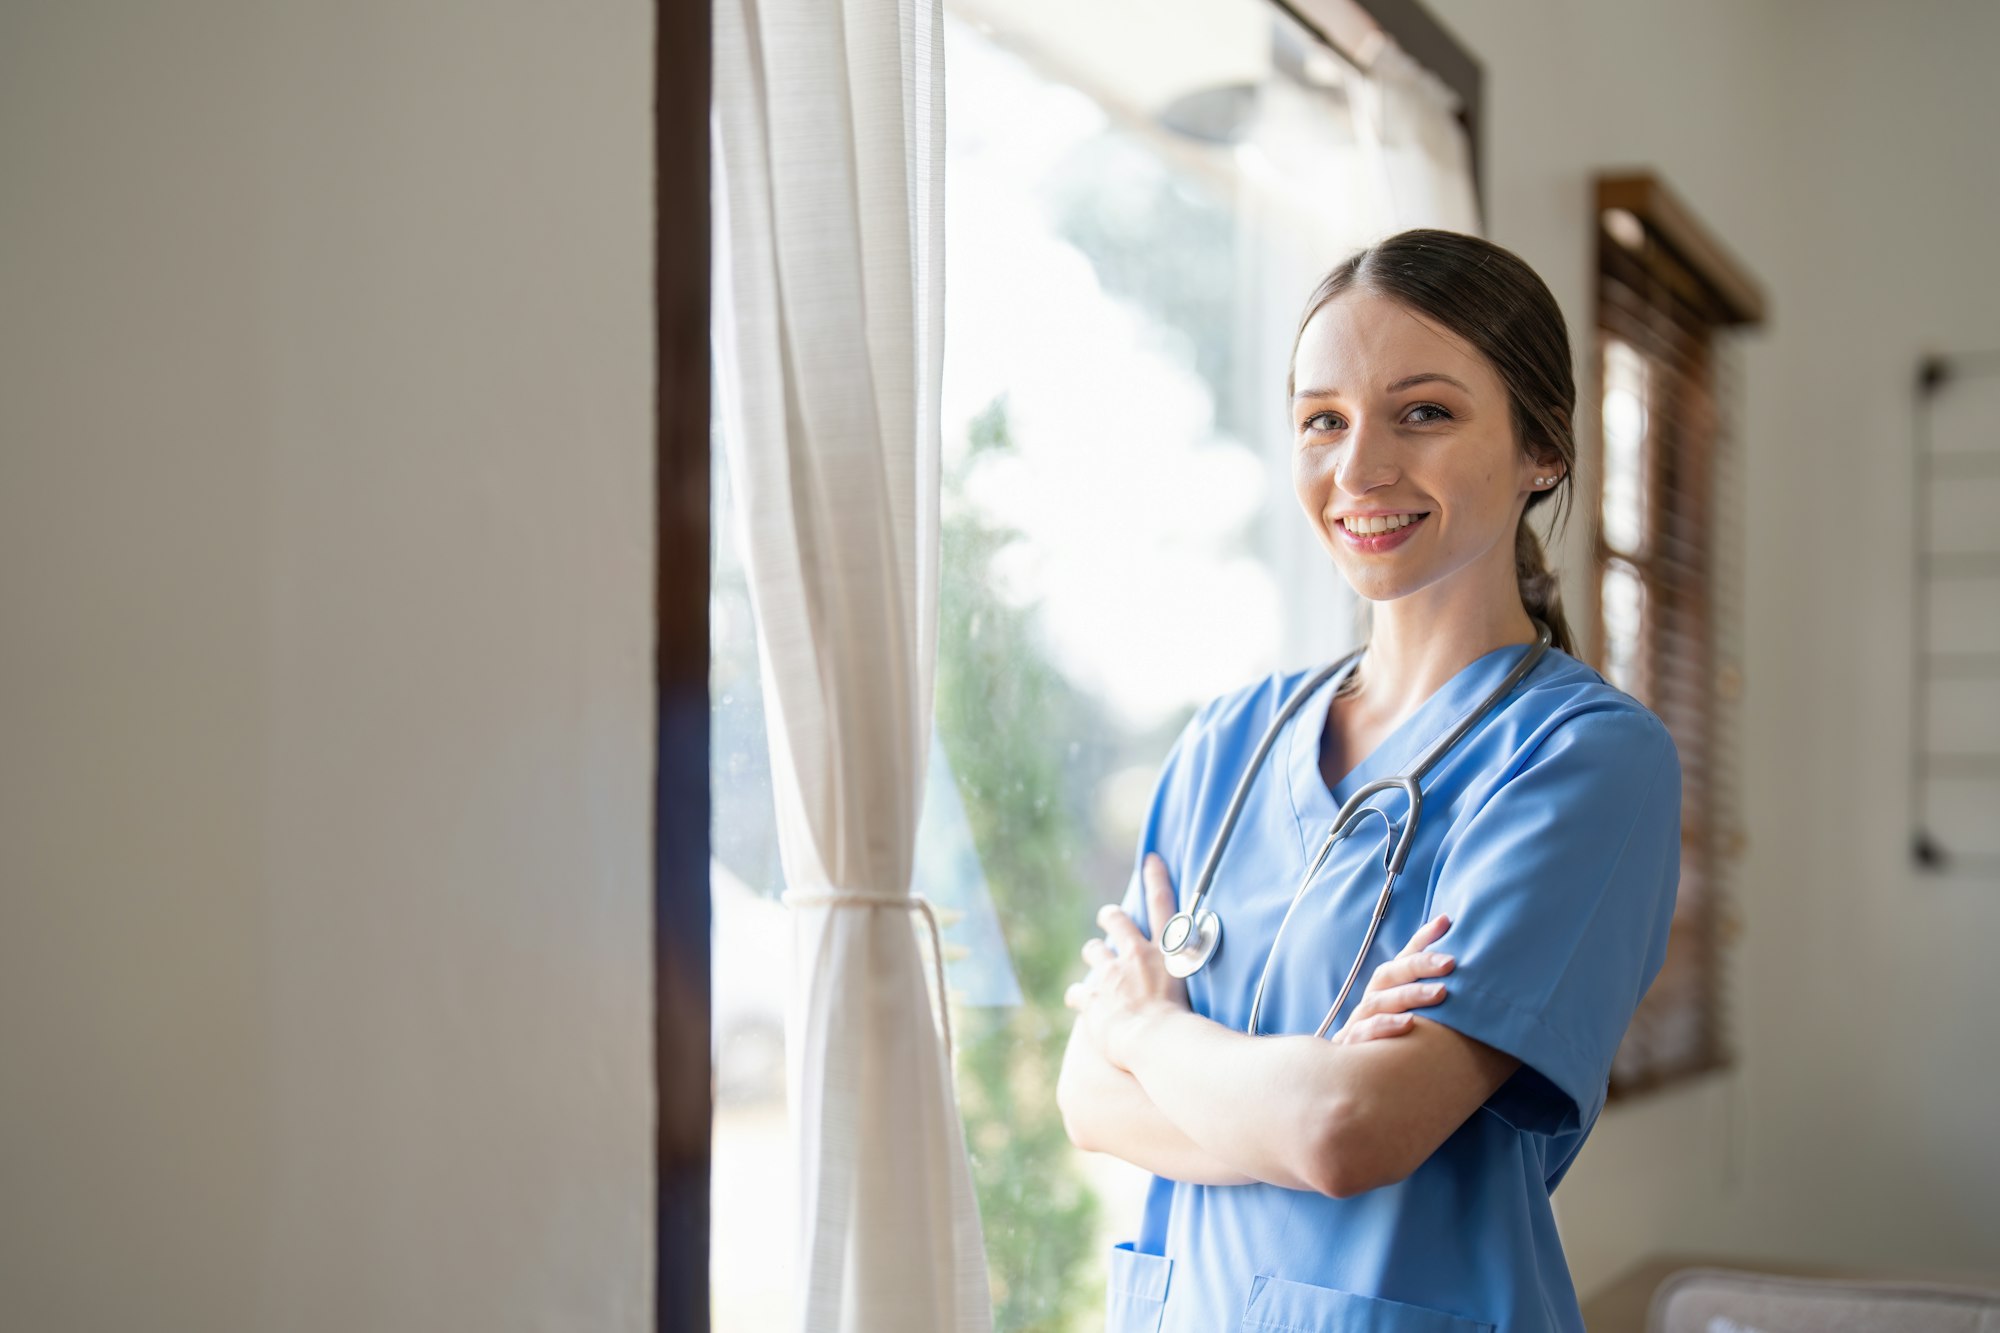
<point>1313,800</point>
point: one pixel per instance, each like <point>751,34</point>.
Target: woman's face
<point>1396,416</point>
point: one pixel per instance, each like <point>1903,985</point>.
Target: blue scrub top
<point>1551,835</point>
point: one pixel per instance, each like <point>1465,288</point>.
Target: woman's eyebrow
<point>1422,377</point>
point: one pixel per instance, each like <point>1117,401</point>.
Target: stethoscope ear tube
<point>1192,936</point>
<point>1184,942</point>
<point>1350,817</point>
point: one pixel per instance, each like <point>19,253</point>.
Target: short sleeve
<point>1560,887</point>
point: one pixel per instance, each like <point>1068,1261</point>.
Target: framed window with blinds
<point>1666,574</point>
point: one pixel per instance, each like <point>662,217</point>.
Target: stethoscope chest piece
<point>1188,942</point>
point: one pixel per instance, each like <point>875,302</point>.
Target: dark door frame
<point>681,1069</point>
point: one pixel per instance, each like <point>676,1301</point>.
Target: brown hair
<point>1489,297</point>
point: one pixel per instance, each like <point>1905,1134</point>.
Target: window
<point>1667,567</point>
<point>1131,235</point>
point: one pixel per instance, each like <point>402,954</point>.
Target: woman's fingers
<point>1385,1012</point>
<point>1159,891</point>
<point>1396,999</point>
<point>1428,932</point>
<point>1381,1025</point>
<point>1118,927</point>
<point>1417,960</point>
<point>1405,968</point>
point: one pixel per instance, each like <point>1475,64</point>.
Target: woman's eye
<point>1442,415</point>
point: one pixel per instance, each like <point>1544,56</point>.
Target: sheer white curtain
<point>829,229</point>
<point>1406,117</point>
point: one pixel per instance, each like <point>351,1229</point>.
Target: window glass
<point>1134,221</point>
<point>1624,620</point>
<point>1624,446</point>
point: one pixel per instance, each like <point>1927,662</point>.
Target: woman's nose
<point>1367,461</point>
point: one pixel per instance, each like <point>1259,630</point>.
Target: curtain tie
<point>829,898</point>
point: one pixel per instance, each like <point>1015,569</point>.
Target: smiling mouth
<point>1375,527</point>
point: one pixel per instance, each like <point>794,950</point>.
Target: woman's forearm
<point>1261,1106</point>
<point>1331,1117</point>
<point>1105,1110</point>
<point>1335,1117</point>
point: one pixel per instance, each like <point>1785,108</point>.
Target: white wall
<point>1844,150</point>
<point>325,661</point>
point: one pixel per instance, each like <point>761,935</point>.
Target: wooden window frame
<point>1667,289</point>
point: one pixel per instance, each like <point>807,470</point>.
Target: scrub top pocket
<point>1136,1290</point>
<point>1277,1305</point>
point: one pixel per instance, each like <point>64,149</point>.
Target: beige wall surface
<point>325,676</point>
<point>1844,151</point>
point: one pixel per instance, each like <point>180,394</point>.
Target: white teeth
<point>1366,526</point>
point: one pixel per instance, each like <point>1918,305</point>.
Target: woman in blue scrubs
<point>1395,1177</point>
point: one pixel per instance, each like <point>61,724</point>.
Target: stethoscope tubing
<point>1237,797</point>
<point>1351,813</point>
<point>1349,816</point>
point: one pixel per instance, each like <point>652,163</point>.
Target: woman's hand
<point>1129,977</point>
<point>1399,986</point>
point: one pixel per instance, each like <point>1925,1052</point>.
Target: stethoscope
<point>1191,936</point>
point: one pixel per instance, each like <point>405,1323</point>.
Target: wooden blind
<point>1667,580</point>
